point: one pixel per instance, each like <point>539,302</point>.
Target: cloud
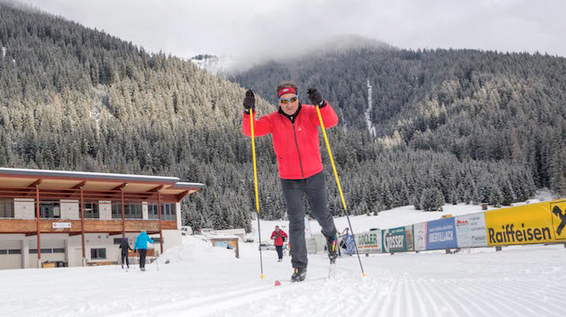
<point>258,28</point>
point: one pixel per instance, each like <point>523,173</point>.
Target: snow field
<point>205,281</point>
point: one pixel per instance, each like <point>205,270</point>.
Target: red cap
<point>287,90</point>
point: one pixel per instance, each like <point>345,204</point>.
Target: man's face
<point>289,103</point>
<point>276,228</point>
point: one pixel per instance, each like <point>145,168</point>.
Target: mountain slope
<point>475,105</point>
<point>77,99</point>
<point>74,98</point>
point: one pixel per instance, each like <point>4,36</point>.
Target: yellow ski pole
<point>256,194</point>
<point>339,186</point>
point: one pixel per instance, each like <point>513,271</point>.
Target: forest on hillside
<point>74,98</point>
<point>508,109</point>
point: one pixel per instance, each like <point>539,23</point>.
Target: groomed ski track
<point>206,281</point>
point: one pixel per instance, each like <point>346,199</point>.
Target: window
<point>116,209</point>
<point>7,209</point>
<point>96,254</point>
<point>152,212</point>
<point>156,240</point>
<point>34,251</point>
<point>91,210</point>
<point>131,211</point>
<point>168,212</point>
<point>49,210</point>
<point>118,241</point>
<point>3,251</point>
<point>15,251</point>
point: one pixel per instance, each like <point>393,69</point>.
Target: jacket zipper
<point>299,152</point>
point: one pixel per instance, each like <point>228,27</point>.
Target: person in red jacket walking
<point>294,128</point>
<point>278,236</point>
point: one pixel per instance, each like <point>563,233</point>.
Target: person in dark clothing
<point>125,246</point>
<point>296,143</point>
<point>141,246</point>
<point>278,236</point>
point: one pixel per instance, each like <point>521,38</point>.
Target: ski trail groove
<point>549,300</point>
<point>448,297</point>
<point>386,309</point>
<point>498,293</point>
<point>196,302</point>
<point>419,288</point>
<point>482,297</point>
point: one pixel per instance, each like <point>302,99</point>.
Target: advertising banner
<point>471,231</point>
<point>441,234</point>
<point>394,240</point>
<point>369,242</point>
<point>409,238</point>
<point>419,231</point>
<point>558,211</point>
<point>533,223</point>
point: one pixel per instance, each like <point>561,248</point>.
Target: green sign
<point>394,240</point>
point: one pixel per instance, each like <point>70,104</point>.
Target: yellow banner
<point>558,212</point>
<point>533,223</point>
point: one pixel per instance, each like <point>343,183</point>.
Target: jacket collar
<point>293,116</point>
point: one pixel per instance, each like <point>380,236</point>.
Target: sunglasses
<point>291,100</point>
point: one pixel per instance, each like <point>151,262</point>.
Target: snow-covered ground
<point>205,281</point>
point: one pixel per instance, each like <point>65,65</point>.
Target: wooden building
<point>80,218</point>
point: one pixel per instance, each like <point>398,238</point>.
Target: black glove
<point>249,101</point>
<point>315,97</point>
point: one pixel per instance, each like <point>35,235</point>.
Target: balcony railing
<point>29,226</point>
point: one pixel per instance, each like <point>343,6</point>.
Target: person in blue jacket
<point>141,247</point>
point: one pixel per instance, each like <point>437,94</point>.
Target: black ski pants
<point>315,189</point>
<point>279,249</point>
<point>125,259</point>
<point>143,253</point>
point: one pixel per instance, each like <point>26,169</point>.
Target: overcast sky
<point>270,27</point>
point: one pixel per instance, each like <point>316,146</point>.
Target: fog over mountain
<point>257,30</point>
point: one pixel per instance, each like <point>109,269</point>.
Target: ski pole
<point>256,194</point>
<point>339,187</point>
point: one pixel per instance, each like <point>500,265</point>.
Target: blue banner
<point>441,234</point>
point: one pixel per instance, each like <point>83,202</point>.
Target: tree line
<point>74,98</point>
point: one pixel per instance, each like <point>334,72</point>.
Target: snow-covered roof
<point>88,175</point>
<point>14,181</point>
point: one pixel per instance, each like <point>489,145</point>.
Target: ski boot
<point>332,245</point>
<point>299,274</point>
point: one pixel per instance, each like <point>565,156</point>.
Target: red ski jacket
<point>296,145</point>
<point>278,237</point>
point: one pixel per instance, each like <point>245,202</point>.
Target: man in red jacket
<point>294,128</point>
<point>278,236</point>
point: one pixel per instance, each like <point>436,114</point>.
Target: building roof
<point>98,185</point>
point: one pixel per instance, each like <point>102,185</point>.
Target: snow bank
<point>195,249</point>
